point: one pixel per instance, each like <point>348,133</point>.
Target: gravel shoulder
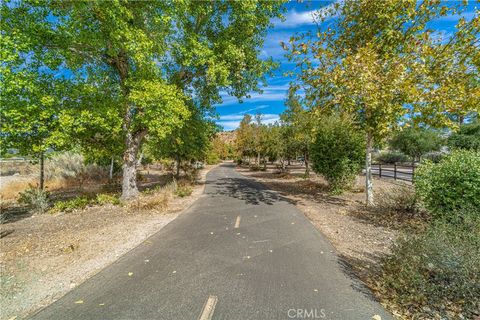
<point>48,255</point>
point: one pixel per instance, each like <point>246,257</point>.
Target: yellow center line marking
<point>208,308</point>
<point>237,222</point>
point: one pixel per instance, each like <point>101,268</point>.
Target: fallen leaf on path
<point>79,302</point>
<point>130,274</point>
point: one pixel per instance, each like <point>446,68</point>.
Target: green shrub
<point>35,198</point>
<point>449,187</point>
<point>437,273</point>
<point>435,156</point>
<point>212,157</point>
<point>391,157</point>
<point>467,137</point>
<point>338,152</point>
<point>104,198</point>
<point>183,191</point>
<point>70,205</point>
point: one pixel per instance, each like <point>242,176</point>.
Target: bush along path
<point>436,273</point>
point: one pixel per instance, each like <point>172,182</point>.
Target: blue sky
<point>299,19</point>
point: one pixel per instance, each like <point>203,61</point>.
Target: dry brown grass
<point>20,167</point>
<point>158,201</point>
<point>154,199</point>
<point>11,189</point>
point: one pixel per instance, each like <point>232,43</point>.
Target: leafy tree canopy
<point>152,60</point>
<point>415,142</point>
<point>467,137</point>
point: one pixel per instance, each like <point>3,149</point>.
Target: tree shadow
<point>362,271</point>
<point>246,190</point>
<point>15,213</point>
<point>307,190</point>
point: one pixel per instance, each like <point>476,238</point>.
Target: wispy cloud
<point>295,19</point>
<point>232,121</point>
<point>262,106</point>
<point>270,93</point>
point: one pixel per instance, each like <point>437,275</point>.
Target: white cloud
<point>262,106</point>
<point>229,125</point>
<point>294,19</point>
<point>270,93</point>
<point>237,116</point>
<point>232,121</point>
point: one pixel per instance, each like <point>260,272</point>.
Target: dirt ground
<point>47,255</point>
<point>361,237</point>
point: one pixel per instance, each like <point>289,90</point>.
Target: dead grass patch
<point>157,201</point>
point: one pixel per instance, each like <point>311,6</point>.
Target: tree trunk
<point>140,158</point>
<point>42,171</point>
<point>177,175</point>
<point>129,182</point>
<point>307,169</point>
<point>258,158</point>
<point>368,170</point>
<point>110,173</point>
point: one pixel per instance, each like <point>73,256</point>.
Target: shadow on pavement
<point>243,189</point>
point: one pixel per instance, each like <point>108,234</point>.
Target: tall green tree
<point>189,143</point>
<point>29,107</point>
<point>373,63</point>
<point>300,122</point>
<point>466,137</point>
<point>159,56</point>
<point>415,142</point>
<point>260,138</point>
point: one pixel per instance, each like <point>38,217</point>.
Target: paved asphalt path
<point>271,263</point>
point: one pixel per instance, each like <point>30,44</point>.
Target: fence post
<point>380,170</point>
<point>395,171</point>
<point>413,171</point>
